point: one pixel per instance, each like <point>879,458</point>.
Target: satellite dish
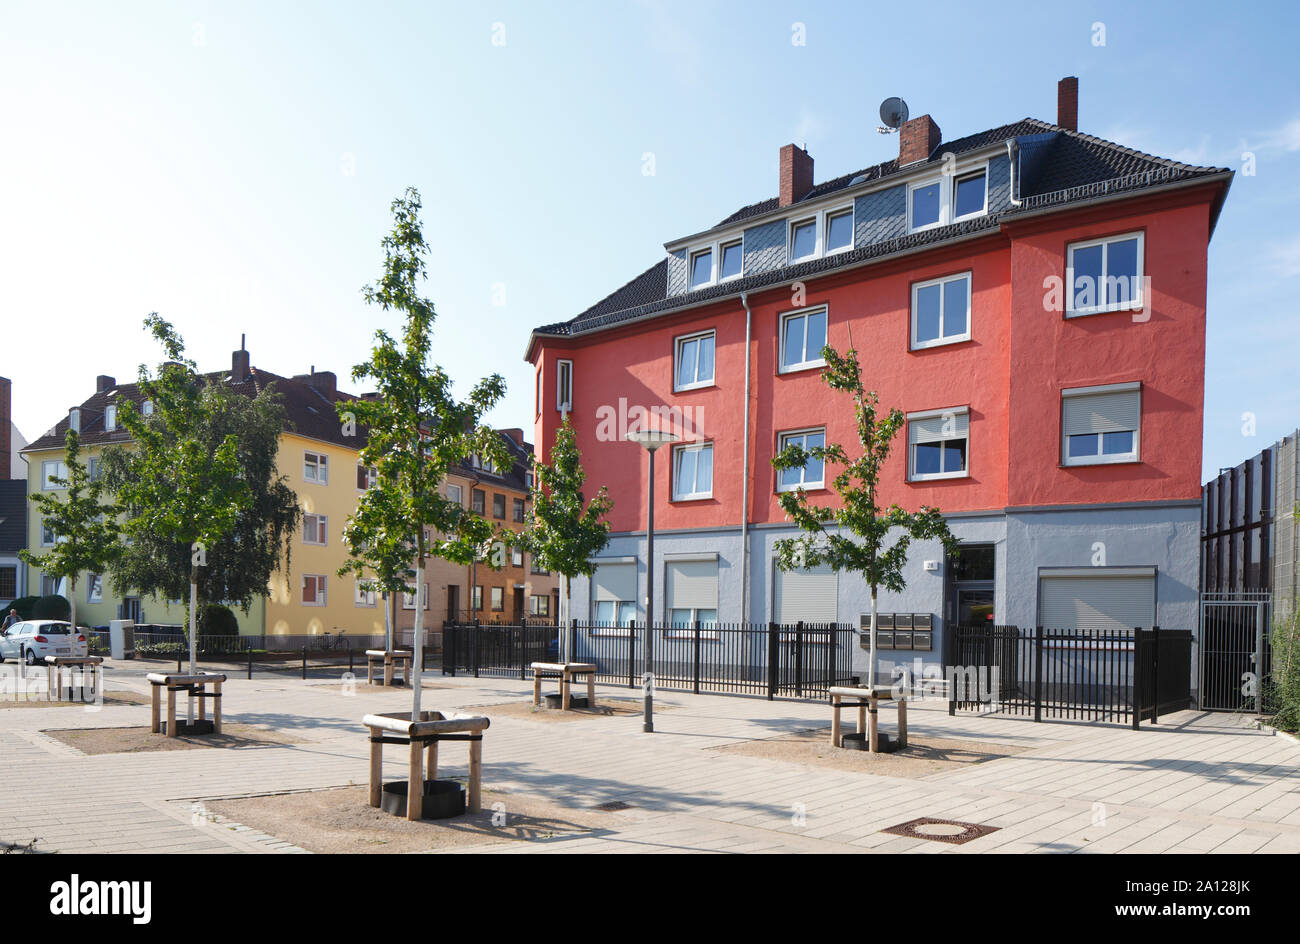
<point>893,112</point>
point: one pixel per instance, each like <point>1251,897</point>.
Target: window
<point>937,443</point>
<point>812,474</point>
<point>615,612</point>
<point>53,469</point>
<point>937,201</point>
<point>839,230</point>
<point>94,588</point>
<point>313,590</point>
<point>366,476</point>
<point>692,472</point>
<point>478,597</point>
<point>408,600</point>
<point>733,260</point>
<point>498,505</point>
<point>516,557</point>
<point>941,311</point>
<point>536,569</point>
<point>1101,425</point>
<point>613,593</point>
<point>539,391</point>
<point>701,268</point>
<point>315,530</point>
<point>48,537</point>
<point>803,239</point>
<point>539,605</point>
<point>518,505</point>
<point>362,596</point>
<point>110,417</point>
<point>479,501</point>
<point>316,468</point>
<point>691,592</point>
<point>694,361</point>
<point>94,468</point>
<point>454,493</point>
<point>8,583</point>
<point>803,335</point>
<point>147,408</point>
<point>528,480</point>
<point>1104,275</point>
<point>498,598</point>
<point>564,386</point>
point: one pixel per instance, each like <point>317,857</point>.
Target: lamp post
<point>650,440</point>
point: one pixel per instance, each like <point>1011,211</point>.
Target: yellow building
<point>318,456</point>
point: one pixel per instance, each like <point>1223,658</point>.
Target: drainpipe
<point>1013,152</point>
<point>744,486</point>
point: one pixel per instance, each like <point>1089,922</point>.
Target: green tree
<point>416,429</point>
<point>83,520</point>
<point>564,532</point>
<point>856,535</point>
<point>180,483</point>
<point>381,557</point>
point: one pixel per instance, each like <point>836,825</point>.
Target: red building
<point>1032,297</point>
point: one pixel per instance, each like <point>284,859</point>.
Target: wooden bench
<point>423,735</point>
<point>401,657</point>
<point>565,672</point>
<point>54,666</point>
<point>196,686</point>
<point>867,701</point>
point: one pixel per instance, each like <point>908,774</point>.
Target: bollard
<point>250,665</point>
<point>351,671</point>
<point>304,663</point>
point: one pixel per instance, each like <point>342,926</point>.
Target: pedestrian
<point>9,620</point>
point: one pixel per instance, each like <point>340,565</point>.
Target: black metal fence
<point>1124,676</point>
<point>497,650</point>
<point>801,660</point>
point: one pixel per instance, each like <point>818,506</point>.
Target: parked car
<point>32,640</point>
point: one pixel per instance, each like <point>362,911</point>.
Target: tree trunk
<point>417,659</point>
<point>72,601</point>
<point>388,622</point>
<point>871,655</point>
<point>563,616</point>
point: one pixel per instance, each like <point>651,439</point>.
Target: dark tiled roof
<point>309,411</point>
<point>1068,166</point>
<point>522,453</point>
<point>13,515</point>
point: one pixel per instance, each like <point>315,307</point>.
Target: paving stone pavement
<point>1195,783</point>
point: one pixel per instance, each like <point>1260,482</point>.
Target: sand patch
<point>111,699</point>
<point>605,708</point>
<point>138,740</point>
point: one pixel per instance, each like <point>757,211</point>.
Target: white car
<point>31,641</point>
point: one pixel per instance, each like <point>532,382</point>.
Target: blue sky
<point>230,165</point>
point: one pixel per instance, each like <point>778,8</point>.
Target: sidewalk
<point>1194,783</point>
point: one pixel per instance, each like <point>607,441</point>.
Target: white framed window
<point>314,590</point>
<point>94,588</point>
<point>803,335</point>
<point>947,198</point>
<point>316,468</point>
<point>408,600</point>
<point>367,475</point>
<point>615,613</point>
<point>941,311</point>
<point>693,471</point>
<point>478,597</point>
<point>1101,425</point>
<point>539,604</point>
<point>362,596</point>
<point>811,474</point>
<point>839,230</point>
<point>516,557</point>
<point>146,409</point>
<point>110,417</point>
<point>94,468</point>
<point>48,537</point>
<point>539,391</point>
<point>691,593</point>
<point>938,442</point>
<point>315,530</point>
<point>498,596</point>
<point>693,361</point>
<point>564,386</point>
<point>455,494</point>
<point>803,239</point>
<point>1104,275</point>
<point>731,260</point>
<point>701,268</point>
<point>50,470</point>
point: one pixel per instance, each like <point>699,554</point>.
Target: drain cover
<point>613,806</point>
<point>940,830</point>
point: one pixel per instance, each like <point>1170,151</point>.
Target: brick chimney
<point>324,381</point>
<point>516,434</point>
<point>239,366</point>
<point>796,174</point>
<point>104,382</point>
<point>1067,102</point>
<point>917,140</point>
<point>6,443</point>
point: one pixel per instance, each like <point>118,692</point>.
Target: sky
<point>230,165</point>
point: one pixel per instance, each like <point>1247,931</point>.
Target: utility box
<point>121,639</point>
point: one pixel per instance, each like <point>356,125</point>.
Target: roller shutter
<point>1099,602</point>
<point>807,595</point>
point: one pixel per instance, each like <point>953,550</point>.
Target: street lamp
<point>650,439</point>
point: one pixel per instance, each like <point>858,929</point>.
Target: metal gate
<point>1234,649</point>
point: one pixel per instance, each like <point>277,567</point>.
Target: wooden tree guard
<point>196,686</point>
<point>867,701</point>
<point>565,672</point>
<point>54,666</point>
<point>422,735</point>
